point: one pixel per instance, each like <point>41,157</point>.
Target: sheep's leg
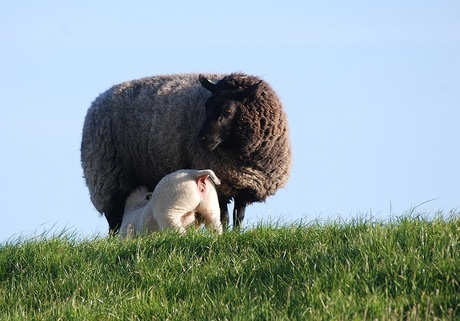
<point>115,215</point>
<point>239,210</point>
<point>223,212</point>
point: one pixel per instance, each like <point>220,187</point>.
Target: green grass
<point>406,269</point>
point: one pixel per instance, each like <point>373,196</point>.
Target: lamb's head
<point>138,198</point>
<point>222,125</point>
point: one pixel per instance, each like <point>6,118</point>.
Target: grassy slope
<point>409,269</point>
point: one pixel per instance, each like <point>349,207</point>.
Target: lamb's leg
<point>215,225</point>
<point>188,219</point>
<point>211,220</point>
<point>223,212</point>
<point>174,220</point>
<point>239,210</point>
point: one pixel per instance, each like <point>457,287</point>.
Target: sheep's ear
<point>246,93</point>
<point>208,84</point>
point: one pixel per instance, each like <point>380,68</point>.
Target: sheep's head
<point>222,110</point>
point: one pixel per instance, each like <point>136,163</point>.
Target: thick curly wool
<point>139,131</point>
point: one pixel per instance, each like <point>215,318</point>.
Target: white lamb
<point>137,217</point>
<point>180,200</point>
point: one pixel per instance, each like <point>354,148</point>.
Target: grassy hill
<point>407,269</point>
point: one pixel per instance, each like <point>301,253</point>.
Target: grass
<point>407,269</point>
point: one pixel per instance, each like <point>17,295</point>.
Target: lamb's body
<point>138,131</point>
<point>137,216</point>
<point>181,199</point>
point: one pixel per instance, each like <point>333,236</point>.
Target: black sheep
<point>137,132</point>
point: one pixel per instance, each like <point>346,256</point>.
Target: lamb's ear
<point>201,182</point>
<point>246,93</point>
<point>208,84</point>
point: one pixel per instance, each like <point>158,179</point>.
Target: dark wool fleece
<point>137,132</point>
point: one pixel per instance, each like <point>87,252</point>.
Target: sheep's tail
<point>210,174</point>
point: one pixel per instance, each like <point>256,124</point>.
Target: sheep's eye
<point>227,111</point>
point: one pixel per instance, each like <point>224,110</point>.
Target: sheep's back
<point>155,122</point>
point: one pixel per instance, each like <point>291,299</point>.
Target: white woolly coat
<point>181,199</point>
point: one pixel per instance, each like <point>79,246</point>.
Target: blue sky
<point>371,89</point>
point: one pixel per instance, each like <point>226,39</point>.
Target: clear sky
<point>371,89</point>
